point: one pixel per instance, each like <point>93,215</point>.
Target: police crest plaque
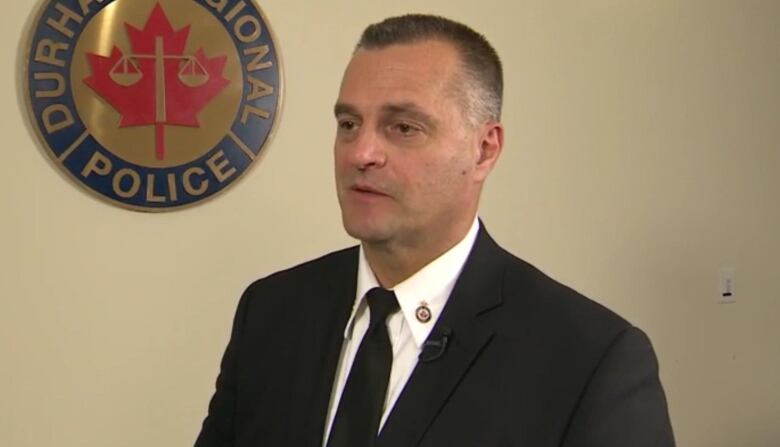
<point>153,105</point>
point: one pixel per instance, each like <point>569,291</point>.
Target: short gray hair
<point>481,65</point>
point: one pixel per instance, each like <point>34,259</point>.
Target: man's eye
<point>406,129</point>
<point>347,125</point>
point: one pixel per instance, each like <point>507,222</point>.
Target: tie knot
<point>382,303</point>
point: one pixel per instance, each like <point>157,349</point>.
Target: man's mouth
<point>367,189</point>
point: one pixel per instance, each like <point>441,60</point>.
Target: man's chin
<point>367,232</point>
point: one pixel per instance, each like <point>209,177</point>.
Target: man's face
<point>407,162</point>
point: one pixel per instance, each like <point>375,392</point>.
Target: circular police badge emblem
<point>153,104</point>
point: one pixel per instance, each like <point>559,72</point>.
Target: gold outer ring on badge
<point>58,163</point>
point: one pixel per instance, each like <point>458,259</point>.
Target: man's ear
<point>490,145</point>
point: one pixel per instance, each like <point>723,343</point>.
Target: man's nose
<point>368,150</point>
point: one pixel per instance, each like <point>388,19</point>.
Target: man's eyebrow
<point>405,108</point>
<point>343,108</point>
<point>411,109</point>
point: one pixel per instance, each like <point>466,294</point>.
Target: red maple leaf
<point>156,84</point>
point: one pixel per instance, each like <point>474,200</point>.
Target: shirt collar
<point>429,286</point>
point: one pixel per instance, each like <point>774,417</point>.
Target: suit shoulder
<point>557,305</point>
<point>307,273</point>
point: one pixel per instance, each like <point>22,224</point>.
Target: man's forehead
<point>434,58</point>
<point>399,74</point>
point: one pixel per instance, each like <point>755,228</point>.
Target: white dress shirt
<point>429,287</point>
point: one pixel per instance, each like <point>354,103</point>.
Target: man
<point>428,333</point>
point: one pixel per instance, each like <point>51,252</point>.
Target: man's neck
<point>392,263</point>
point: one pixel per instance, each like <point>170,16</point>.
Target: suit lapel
<point>477,290</point>
<point>328,337</point>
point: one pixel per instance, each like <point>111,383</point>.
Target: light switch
<point>726,289</point>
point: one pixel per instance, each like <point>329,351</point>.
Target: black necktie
<point>360,409</point>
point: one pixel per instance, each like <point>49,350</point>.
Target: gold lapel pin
<point>423,313</point>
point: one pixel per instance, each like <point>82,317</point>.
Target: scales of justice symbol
<point>127,86</point>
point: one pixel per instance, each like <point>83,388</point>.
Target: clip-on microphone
<point>433,349</point>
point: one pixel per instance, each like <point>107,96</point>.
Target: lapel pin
<point>422,313</point>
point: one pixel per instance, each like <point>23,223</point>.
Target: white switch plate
<point>726,292</point>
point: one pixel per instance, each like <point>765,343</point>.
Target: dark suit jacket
<point>529,362</point>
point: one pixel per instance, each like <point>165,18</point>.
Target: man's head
<point>480,85</point>
<point>418,132</point>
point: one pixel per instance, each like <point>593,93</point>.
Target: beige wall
<point>642,155</point>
